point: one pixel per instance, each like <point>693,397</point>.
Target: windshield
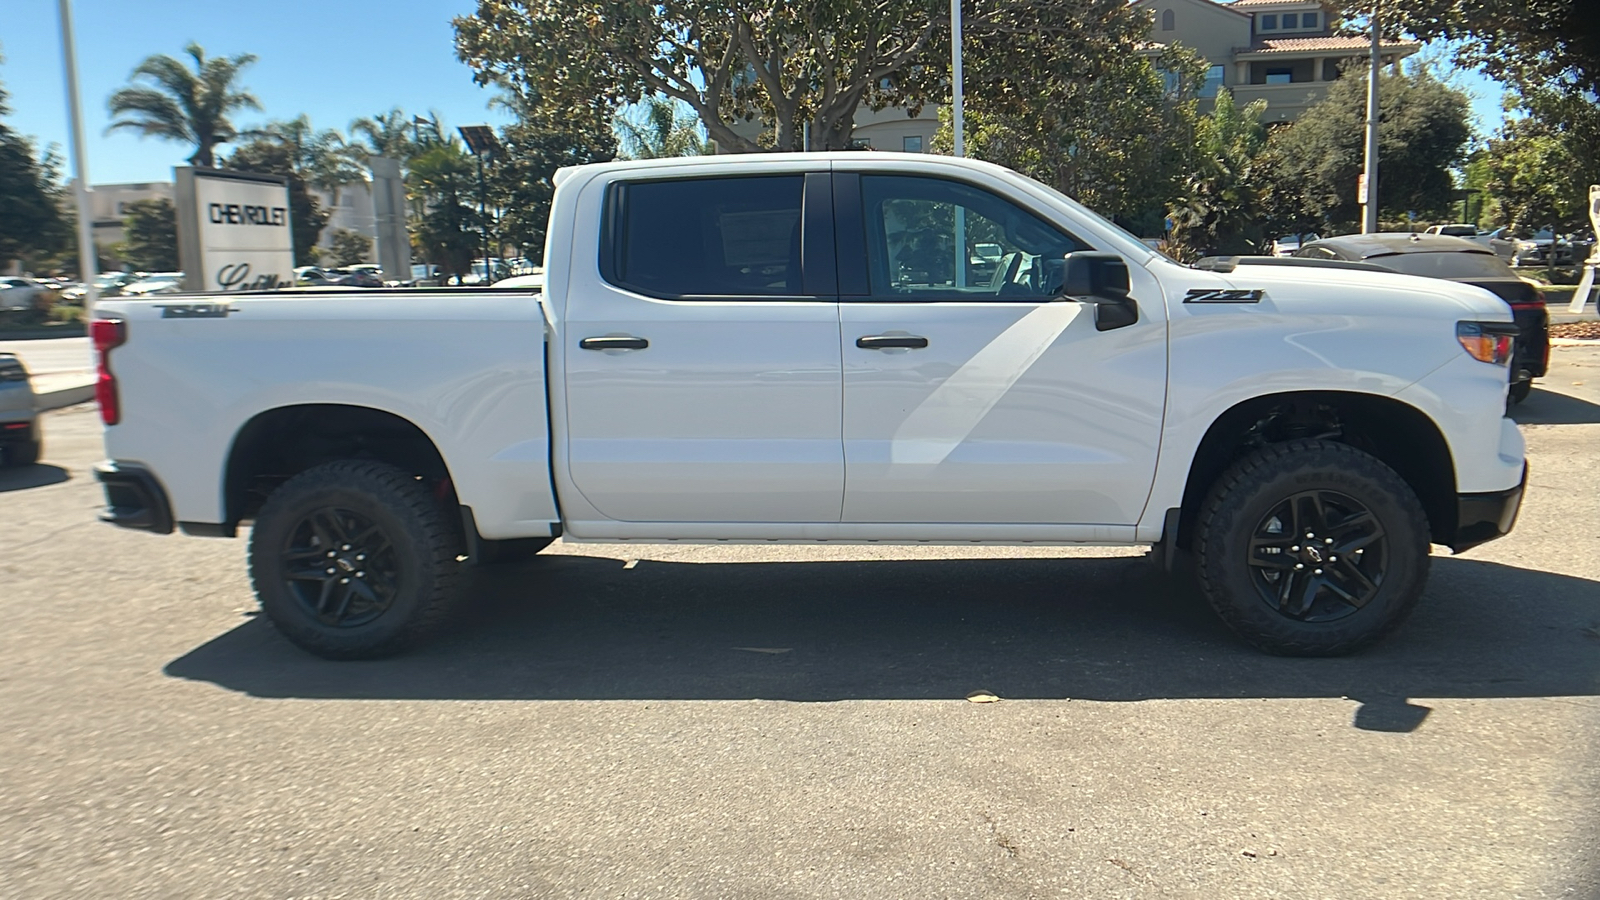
<point>1445,265</point>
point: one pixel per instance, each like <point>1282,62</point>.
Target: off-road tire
<point>427,542</point>
<point>1248,491</point>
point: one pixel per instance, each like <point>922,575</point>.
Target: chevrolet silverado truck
<point>823,348</point>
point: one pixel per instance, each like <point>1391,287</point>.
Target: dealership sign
<point>233,230</point>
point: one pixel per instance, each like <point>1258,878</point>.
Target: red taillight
<point>1536,303</point>
<point>107,334</point>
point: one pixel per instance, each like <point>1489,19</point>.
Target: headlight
<point>1489,342</point>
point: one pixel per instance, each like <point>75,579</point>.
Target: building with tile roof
<point>1280,51</point>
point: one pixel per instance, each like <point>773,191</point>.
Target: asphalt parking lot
<point>771,721</point>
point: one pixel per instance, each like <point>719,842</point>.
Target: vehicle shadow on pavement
<point>575,627</point>
<point>37,475</point>
<point>1550,408</point>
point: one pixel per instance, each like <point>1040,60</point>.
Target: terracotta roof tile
<point>1300,44</point>
<point>1244,3</point>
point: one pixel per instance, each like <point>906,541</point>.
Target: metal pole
<point>483,221</point>
<point>88,263</point>
<point>957,121</point>
<point>1369,198</point>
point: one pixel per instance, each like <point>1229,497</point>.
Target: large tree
<point>448,234</point>
<point>1534,43</point>
<point>306,216</point>
<point>531,150</point>
<point>150,242</point>
<point>323,159</point>
<point>1219,207</point>
<point>797,67</point>
<point>1537,170</point>
<point>180,104</point>
<point>32,217</point>
<point>390,134</point>
<point>1424,127</point>
<point>1118,141</point>
<point>658,128</point>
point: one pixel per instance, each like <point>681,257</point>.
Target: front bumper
<point>1481,518</point>
<point>134,498</point>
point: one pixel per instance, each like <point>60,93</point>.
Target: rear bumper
<point>1481,518</point>
<point>134,498</point>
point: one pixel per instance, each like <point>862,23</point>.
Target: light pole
<point>482,142</point>
<point>957,119</point>
<point>1369,177</point>
<point>88,263</point>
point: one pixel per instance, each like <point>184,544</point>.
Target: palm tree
<point>387,134</point>
<point>660,127</point>
<point>183,105</point>
<point>323,159</point>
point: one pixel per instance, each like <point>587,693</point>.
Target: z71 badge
<point>1199,295</point>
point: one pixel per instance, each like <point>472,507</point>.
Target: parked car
<point>1464,262</point>
<point>108,284</point>
<point>769,369</point>
<point>155,283</point>
<point>355,277</point>
<point>1289,243</point>
<point>1523,249</point>
<point>19,423</point>
<point>26,300</point>
<point>312,275</point>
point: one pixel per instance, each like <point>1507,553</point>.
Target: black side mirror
<point>1100,279</point>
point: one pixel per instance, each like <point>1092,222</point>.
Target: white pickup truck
<point>810,348</point>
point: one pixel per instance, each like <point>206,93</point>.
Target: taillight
<point>107,334</point>
<point>1489,342</point>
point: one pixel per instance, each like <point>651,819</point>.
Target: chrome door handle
<point>891,342</point>
<point>614,342</point>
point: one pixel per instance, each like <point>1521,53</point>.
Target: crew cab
<point>810,348</point>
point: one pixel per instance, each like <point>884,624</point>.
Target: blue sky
<point>334,60</point>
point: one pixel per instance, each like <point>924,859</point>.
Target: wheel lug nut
<point>345,547</point>
<point>344,581</point>
<point>361,574</point>
<point>1295,549</point>
<point>330,571</point>
<point>1299,565</point>
<point>360,557</point>
<point>332,554</point>
<point>1333,559</point>
<point>1327,540</point>
<point>1316,571</point>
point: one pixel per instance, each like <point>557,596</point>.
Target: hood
<point>1292,285</point>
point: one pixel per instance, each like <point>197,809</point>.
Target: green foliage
<point>1539,167</point>
<point>306,216</point>
<point>33,211</point>
<point>388,134</point>
<point>794,67</point>
<point>447,234</point>
<point>350,247</point>
<point>658,128</point>
<point>1116,142</point>
<point>322,159</point>
<point>150,236</point>
<point>1546,44</point>
<point>1423,131</point>
<point>532,149</point>
<point>180,104</point>
<point>1219,208</point>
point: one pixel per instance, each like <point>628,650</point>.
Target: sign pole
<point>88,261</point>
<point>1369,176</point>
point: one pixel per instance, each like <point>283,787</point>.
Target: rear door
<point>971,394</point>
<point>702,353</point>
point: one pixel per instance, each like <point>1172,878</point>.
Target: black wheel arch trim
<point>135,498</point>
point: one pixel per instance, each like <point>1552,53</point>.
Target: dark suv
<point>1455,259</point>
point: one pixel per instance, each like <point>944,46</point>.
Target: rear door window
<point>706,237</point>
<point>1445,265</point>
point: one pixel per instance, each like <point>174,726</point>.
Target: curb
<point>55,391</point>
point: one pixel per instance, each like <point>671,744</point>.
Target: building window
<point>1291,20</point>
<point>1170,82</point>
<point>1308,20</point>
<point>1168,20</point>
<point>1269,23</point>
<point>912,143</point>
<point>1213,82</point>
<point>1280,76</point>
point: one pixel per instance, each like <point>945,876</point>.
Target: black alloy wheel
<point>342,567</point>
<point>1318,556</point>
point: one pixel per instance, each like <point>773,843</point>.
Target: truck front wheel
<point>1312,548</point>
<point>354,560</point>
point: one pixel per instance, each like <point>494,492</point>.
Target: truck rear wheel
<point>1312,548</point>
<point>354,560</point>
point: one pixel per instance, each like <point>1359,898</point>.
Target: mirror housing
<point>1097,278</point>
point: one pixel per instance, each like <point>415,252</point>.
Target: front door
<point>971,395</point>
<point>702,360</point>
